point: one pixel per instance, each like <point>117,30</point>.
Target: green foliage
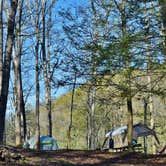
<point>110,113</point>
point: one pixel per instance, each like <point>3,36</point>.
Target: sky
<point>60,4</point>
<point>66,4</point>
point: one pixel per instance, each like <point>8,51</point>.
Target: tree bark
<point>92,96</point>
<point>46,73</point>
<point>130,123</point>
<point>149,73</point>
<point>6,66</point>
<point>162,4</point>
<point>37,132</point>
<point>145,123</point>
<point>35,17</point>
<point>20,108</point>
<point>17,101</point>
<point>22,103</point>
<point>1,42</point>
<point>128,77</point>
<point>71,110</point>
<point>92,88</point>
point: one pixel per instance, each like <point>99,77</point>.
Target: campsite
<point>49,153</point>
<point>81,158</point>
<point>83,82</point>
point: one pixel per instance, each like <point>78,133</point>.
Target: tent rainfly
<point>139,130</point>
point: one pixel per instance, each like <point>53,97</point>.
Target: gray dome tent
<point>139,130</point>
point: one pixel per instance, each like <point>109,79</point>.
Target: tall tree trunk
<point>71,110</point>
<point>95,55</point>
<point>35,20</point>
<point>145,123</point>
<point>49,108</point>
<point>149,73</point>
<point>46,73</point>
<point>6,66</point>
<point>37,132</point>
<point>130,123</point>
<point>162,4</point>
<point>1,62</point>
<point>87,130</point>
<point>20,108</point>
<point>17,101</point>
<point>152,114</point>
<point>128,77</point>
<point>1,42</point>
<point>92,96</point>
<point>22,103</point>
<point>23,115</point>
<point>92,89</point>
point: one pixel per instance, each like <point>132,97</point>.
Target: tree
<point>47,8</point>
<point>162,5</point>
<point>88,35</point>
<point>37,71</point>
<point>1,42</point>
<point>45,70</point>
<point>35,13</point>
<point>37,134</point>
<point>116,61</point>
<point>72,107</point>
<point>19,103</point>
<point>6,58</point>
<point>127,62</point>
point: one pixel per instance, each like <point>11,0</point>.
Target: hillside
<point>110,113</point>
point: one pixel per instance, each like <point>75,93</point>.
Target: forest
<point>75,70</point>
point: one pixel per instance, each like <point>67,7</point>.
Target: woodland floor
<point>22,157</point>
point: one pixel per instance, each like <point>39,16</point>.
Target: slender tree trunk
<point>130,123</point>
<point>17,101</point>
<point>92,96</point>
<point>19,105</point>
<point>6,66</point>
<point>149,73</point>
<point>152,116</point>
<point>128,75</point>
<point>162,4</point>
<point>37,133</point>
<point>147,53</point>
<point>92,89</point>
<point>23,115</point>
<point>20,108</point>
<point>71,111</point>
<point>1,65</point>
<point>1,42</point>
<point>87,131</point>
<point>145,123</point>
<point>49,108</point>
<point>46,73</point>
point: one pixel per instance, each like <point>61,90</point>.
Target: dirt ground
<point>81,158</point>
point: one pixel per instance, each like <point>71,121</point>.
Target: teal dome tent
<point>46,143</point>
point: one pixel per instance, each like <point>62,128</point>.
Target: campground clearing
<point>79,158</point>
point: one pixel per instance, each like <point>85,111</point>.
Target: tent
<point>139,130</point>
<point>117,131</point>
<point>46,143</point>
